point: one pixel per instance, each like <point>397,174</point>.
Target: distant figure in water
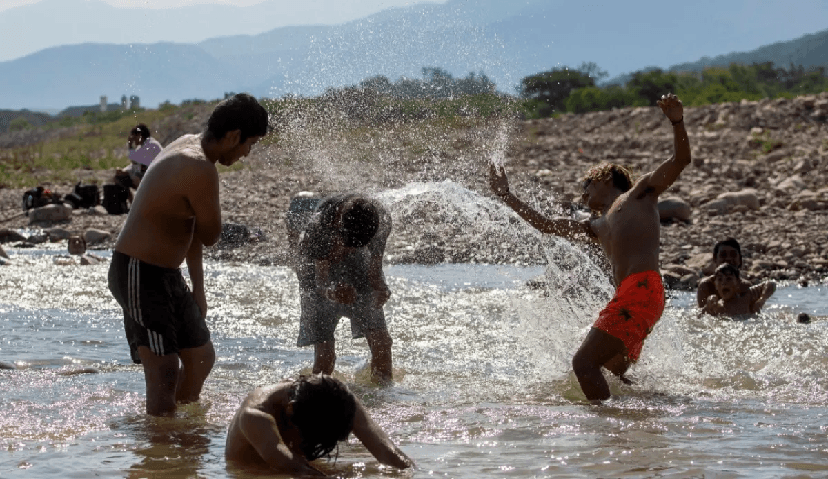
<point>176,213</point>
<point>339,267</point>
<point>724,252</point>
<point>77,247</point>
<point>4,258</point>
<point>730,299</point>
<point>286,426</point>
<point>626,225</point>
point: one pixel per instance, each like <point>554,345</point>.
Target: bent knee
<point>583,364</point>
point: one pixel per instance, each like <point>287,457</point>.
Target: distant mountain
<point>504,40</point>
<point>80,74</point>
<point>809,51</point>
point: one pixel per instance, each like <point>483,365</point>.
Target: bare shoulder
<point>643,188</point>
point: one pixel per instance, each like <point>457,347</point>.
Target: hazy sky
<point>374,5</point>
<point>26,34</point>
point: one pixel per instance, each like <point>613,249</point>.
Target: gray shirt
<point>354,267</point>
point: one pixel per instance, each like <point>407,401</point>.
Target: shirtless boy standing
<point>287,425</point>
<point>627,228</point>
<point>175,213</point>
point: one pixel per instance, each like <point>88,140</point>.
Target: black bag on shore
<point>88,194</point>
<point>115,199</point>
<point>37,197</point>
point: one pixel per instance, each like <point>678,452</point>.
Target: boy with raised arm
<point>286,426</point>
<point>175,213</point>
<point>626,225</point>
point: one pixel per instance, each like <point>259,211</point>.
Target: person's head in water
<point>603,183</point>
<point>76,245</point>
<point>728,251</point>
<point>726,280</point>
<point>322,409</point>
<point>239,112</point>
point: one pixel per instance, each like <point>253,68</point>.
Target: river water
<point>484,387</point>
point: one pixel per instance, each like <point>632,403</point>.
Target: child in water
<point>77,247</point>
<point>732,300</point>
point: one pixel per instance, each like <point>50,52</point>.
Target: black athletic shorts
<point>159,309</point>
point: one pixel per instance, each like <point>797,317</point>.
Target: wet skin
<point>627,227</point>
<point>261,433</point>
<point>706,288</point>
<point>174,214</point>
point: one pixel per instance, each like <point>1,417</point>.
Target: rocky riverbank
<point>758,175</point>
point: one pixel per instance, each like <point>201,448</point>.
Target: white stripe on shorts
<point>156,342</point>
<point>133,299</point>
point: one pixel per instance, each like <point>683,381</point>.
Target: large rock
<point>93,236</point>
<point>746,198</point>
<point>670,209</point>
<point>50,213</point>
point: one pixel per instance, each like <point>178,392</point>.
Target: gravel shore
<point>758,174</point>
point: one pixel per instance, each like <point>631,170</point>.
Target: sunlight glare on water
<point>484,384</point>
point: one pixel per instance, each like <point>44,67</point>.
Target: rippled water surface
<point>483,389</point>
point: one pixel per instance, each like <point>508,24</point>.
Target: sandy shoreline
<point>768,158</point>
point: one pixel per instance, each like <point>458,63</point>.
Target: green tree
<point>587,99</point>
<point>553,87</point>
<point>19,124</point>
<point>650,85</point>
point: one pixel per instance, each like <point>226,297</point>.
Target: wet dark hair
<point>621,176</point>
<point>727,268</point>
<point>323,412</point>
<point>360,222</point>
<point>731,242</point>
<point>239,112</point>
<point>142,129</point>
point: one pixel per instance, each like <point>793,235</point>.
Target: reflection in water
<point>170,447</point>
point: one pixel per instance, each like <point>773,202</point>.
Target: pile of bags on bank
<point>42,204</point>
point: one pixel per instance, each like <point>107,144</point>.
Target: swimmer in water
<point>76,246</point>
<point>626,225</point>
<point>286,426</point>
<point>730,299</point>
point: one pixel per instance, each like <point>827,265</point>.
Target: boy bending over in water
<point>730,298</point>
<point>627,228</point>
<point>287,425</point>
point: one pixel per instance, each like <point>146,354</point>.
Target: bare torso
<point>161,221</point>
<point>269,399</point>
<point>629,232</point>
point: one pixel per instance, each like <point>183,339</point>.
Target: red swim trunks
<point>632,313</point>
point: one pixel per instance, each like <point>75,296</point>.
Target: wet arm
<point>764,291</point>
<point>261,432</point>
<point>377,442</point>
<point>565,228</point>
<point>203,195</point>
<point>195,266</point>
<point>376,279</point>
<point>667,173</point>
<point>706,289</point>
